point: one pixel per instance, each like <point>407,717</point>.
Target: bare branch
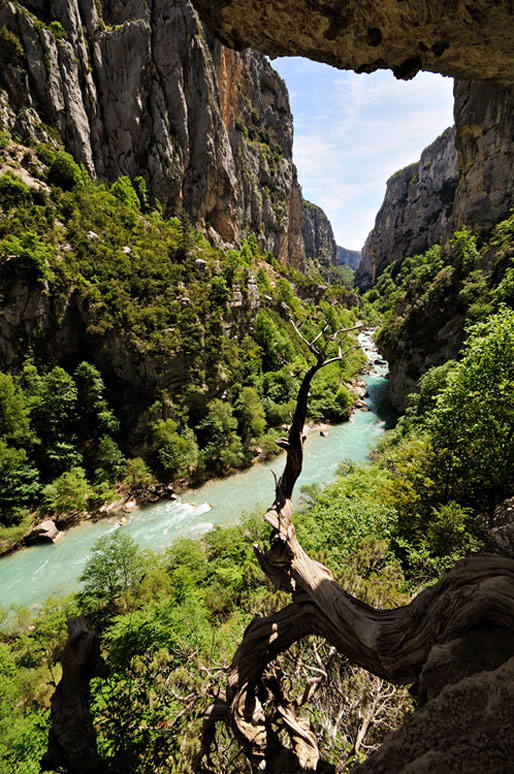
<point>477,596</point>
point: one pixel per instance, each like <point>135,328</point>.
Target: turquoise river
<point>31,575</point>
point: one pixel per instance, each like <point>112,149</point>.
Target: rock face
<point>464,178</point>
<point>142,89</point>
<point>417,210</point>
<point>484,120</point>
<point>349,258</point>
<point>318,237</point>
<point>467,728</point>
<point>459,39</point>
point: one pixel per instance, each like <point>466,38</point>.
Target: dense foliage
<point>153,345</point>
<point>421,294</point>
<point>170,623</point>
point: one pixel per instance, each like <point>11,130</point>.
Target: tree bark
<point>72,736</point>
<point>476,596</point>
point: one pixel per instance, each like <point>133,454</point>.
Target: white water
<point>30,576</point>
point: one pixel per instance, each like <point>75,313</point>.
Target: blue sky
<point>352,132</point>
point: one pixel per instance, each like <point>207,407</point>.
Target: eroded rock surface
<point>417,210</point>
<point>467,728</point>
<point>143,89</point>
<point>349,258</point>
<point>318,237</point>
<point>457,38</point>
<point>484,121</point>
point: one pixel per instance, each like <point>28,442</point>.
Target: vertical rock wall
<point>318,236</point>
<point>466,177</point>
<point>417,208</point>
<point>139,88</point>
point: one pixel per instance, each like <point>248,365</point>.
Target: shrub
<point>70,492</point>
<point>13,191</point>
<point>124,191</point>
<point>65,172</point>
<point>11,49</point>
<point>114,567</point>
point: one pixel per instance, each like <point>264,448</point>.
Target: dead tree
<point>470,611</point>
<point>72,736</point>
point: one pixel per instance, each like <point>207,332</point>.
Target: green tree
<point>250,414</point>
<point>14,412</point>
<point>177,454</point>
<point>52,400</point>
<point>110,460</point>
<point>125,192</point>
<point>472,425</point>
<point>141,189</point>
<point>65,172</point>
<point>28,252</point>
<point>220,291</point>
<point>114,567</point>
<point>13,191</point>
<point>187,235</point>
<point>252,244</point>
<point>19,483</point>
<point>70,492</point>
<point>221,445</point>
<point>137,474</point>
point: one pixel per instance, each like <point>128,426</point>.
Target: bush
<point>29,253</point>
<point>65,172</point>
<point>114,567</point>
<point>70,492</point>
<point>11,49</point>
<point>124,191</point>
<point>13,190</point>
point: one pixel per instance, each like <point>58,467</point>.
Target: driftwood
<point>460,613</point>
<point>72,736</point>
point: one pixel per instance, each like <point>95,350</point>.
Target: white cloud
<point>352,132</point>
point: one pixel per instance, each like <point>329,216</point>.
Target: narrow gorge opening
<point>353,132</point>
<point>172,305</point>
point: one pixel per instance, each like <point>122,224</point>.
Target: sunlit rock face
<point>465,178</point>
<point>452,37</point>
<point>136,88</point>
<point>417,210</point>
<point>318,237</point>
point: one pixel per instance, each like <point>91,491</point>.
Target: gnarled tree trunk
<point>72,737</point>
<point>465,621</point>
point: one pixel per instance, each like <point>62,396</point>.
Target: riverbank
<point>129,500</point>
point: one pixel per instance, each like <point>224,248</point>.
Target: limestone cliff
<point>460,39</point>
<point>141,89</point>
<point>348,258</point>
<point>416,212</point>
<point>484,120</point>
<point>463,178</point>
<point>318,237</point>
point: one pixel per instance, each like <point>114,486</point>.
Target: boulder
<point>44,532</point>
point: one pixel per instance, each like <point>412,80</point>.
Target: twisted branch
<point>392,644</point>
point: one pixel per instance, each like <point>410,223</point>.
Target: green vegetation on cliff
<point>142,341</point>
<point>421,294</point>
<point>169,624</point>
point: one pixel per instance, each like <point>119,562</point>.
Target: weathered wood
<point>477,595</point>
<point>72,736</point>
